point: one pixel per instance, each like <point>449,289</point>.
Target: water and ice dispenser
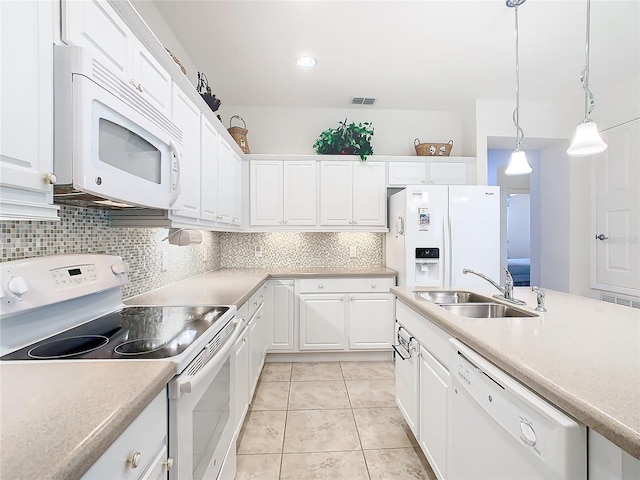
<point>428,266</point>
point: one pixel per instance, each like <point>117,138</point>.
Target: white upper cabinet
<point>283,193</point>
<point>26,123</point>
<point>209,141</point>
<point>229,167</point>
<point>94,24</point>
<point>408,173</point>
<point>187,117</point>
<point>266,181</point>
<point>353,193</point>
<point>434,171</point>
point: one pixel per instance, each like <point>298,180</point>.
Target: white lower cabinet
<point>279,312</point>
<point>322,321</point>
<point>241,376</point>
<point>369,318</point>
<point>608,461</point>
<point>435,382</point>
<point>257,347</point>
<point>140,452</point>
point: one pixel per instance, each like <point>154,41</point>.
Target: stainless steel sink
<point>485,310</point>
<point>451,296</point>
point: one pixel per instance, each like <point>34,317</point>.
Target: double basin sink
<point>469,304</point>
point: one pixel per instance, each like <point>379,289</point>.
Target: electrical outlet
<point>165,261</point>
<point>258,251</point>
<point>205,254</point>
<point>353,251</point>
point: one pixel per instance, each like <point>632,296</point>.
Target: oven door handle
<point>214,364</point>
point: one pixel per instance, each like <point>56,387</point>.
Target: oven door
<point>201,402</point>
<point>119,153</point>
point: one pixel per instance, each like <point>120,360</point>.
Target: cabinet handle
<point>320,286</point>
<point>342,299</point>
<point>135,460</point>
<point>350,222</point>
<point>373,285</point>
<point>355,222</point>
<point>255,303</point>
<point>140,89</point>
<point>352,299</point>
<point>168,465</point>
<point>50,178</point>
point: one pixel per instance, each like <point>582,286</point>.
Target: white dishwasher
<point>500,430</point>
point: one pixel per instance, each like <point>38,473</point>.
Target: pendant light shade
<point>587,140</point>
<point>518,164</point>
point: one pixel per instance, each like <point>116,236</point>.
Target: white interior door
<point>617,180</point>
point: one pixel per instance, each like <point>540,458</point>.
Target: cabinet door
<point>300,193</point>
<point>407,173</point>
<point>322,322</point>
<point>266,192</point>
<point>279,301</point>
<point>256,349</point>
<point>226,182</point>
<point>236,194</point>
<point>370,320</point>
<point>434,388</point>
<point>152,79</point>
<point>336,182</point>
<point>242,378</point>
<point>26,123</point>
<point>369,194</point>
<point>209,180</point>
<point>408,387</point>
<point>187,117</point>
<point>93,24</point>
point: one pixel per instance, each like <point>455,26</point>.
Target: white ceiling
<point>429,54</point>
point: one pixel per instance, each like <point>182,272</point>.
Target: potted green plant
<point>347,139</point>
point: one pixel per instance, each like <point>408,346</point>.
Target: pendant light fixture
<point>518,164</point>
<point>587,140</point>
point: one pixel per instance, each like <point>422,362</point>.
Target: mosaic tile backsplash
<point>308,249</point>
<point>82,230</point>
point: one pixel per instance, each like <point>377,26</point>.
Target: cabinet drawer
<point>430,336</point>
<point>255,300</point>
<point>146,435</point>
<point>343,285</point>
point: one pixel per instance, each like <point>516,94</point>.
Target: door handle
<point>602,237</point>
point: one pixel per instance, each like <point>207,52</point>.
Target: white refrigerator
<point>436,231</point>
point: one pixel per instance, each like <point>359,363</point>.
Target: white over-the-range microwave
<point>112,147</point>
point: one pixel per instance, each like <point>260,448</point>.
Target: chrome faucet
<point>507,290</point>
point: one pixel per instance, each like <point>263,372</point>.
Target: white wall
<point>518,226</point>
<point>294,130</point>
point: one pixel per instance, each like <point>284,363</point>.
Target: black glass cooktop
<point>133,332</point>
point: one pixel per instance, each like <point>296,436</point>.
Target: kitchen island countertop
<point>583,355</point>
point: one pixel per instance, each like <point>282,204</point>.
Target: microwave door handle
<point>188,386</point>
<point>175,153</point>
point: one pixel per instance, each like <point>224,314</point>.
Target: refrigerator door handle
<point>448,252</point>
<point>400,225</point>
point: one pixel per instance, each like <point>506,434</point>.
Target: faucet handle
<point>540,296</point>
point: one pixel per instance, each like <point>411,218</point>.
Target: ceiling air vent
<point>362,101</point>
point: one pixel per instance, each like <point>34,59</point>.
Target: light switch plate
<point>258,251</point>
<point>165,261</point>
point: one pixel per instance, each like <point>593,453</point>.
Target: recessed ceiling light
<point>306,62</point>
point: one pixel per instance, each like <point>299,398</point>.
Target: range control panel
<point>68,277</point>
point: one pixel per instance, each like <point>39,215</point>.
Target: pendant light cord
<point>589,100</point>
<point>516,112</point>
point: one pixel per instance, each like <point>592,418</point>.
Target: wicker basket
<point>239,134</point>
<point>433,149</point>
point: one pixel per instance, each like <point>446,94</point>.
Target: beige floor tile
<point>262,432</point>
<point>389,464</point>
<point>325,465</point>
<point>315,371</point>
<point>320,431</point>
<point>372,393</point>
<point>365,370</point>
<point>258,467</point>
<point>382,428</point>
<point>425,464</point>
<point>318,395</point>
<point>271,396</point>
<point>276,372</point>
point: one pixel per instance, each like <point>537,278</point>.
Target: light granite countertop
<point>58,417</point>
<point>583,355</point>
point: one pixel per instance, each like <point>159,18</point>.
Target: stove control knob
<point>18,287</point>
<point>119,269</point>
